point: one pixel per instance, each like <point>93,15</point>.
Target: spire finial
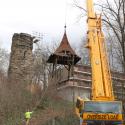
<point>65,27</point>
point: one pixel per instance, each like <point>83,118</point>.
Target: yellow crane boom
<point>102,109</point>
<point>101,77</point>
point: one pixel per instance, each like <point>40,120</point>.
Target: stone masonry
<point>21,59</point>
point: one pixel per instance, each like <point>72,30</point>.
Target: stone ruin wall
<point>21,59</point>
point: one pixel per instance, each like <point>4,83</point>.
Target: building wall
<point>71,93</point>
<point>80,83</point>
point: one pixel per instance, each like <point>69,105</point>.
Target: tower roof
<point>64,54</point>
<point>64,47</point>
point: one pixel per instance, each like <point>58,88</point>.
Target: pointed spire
<point>64,47</point>
<point>64,52</point>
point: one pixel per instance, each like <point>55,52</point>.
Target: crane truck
<point>102,109</point>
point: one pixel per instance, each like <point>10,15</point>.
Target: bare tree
<point>4,60</point>
<point>41,68</point>
<point>83,52</point>
<point>114,19</point>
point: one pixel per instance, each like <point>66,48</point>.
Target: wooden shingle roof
<point>64,54</point>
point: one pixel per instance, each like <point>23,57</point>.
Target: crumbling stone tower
<point>21,59</point>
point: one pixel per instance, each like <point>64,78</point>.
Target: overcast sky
<point>44,16</point>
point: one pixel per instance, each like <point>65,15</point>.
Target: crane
<point>102,109</point>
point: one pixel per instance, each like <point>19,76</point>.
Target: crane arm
<point>100,109</point>
<point>101,77</point>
